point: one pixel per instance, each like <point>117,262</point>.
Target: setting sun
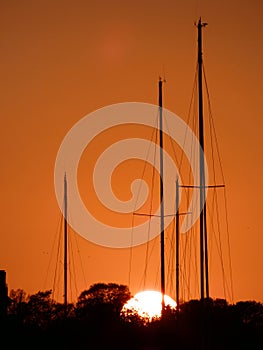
<point>148,304</point>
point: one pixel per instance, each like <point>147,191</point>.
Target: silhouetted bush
<point>38,322</point>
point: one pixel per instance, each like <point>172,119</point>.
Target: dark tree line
<point>95,322</point>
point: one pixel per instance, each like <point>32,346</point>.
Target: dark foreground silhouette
<point>95,322</point>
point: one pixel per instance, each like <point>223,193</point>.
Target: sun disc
<point>148,304</point>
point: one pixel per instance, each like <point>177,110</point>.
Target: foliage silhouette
<point>102,299</point>
<point>95,321</point>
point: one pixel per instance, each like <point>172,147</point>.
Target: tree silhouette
<point>250,312</point>
<point>102,300</point>
<point>97,319</point>
<point>38,311</point>
<point>17,302</point>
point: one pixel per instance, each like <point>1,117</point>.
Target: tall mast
<point>203,233</point>
<point>161,192</point>
<point>65,244</point>
<point>177,242</point>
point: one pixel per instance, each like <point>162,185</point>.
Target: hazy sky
<point>61,60</point>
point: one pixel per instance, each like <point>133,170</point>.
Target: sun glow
<point>148,304</point>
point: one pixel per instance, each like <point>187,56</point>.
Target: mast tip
<point>199,23</point>
<point>163,80</point>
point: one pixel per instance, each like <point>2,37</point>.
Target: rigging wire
<point>151,207</point>
<point>188,262</point>
<point>154,132</point>
<point>218,239</point>
<point>213,131</point>
<point>57,243</point>
<point>57,262</point>
<point>131,255</point>
<point>170,266</point>
<point>57,273</point>
<point>72,271</point>
<point>215,197</point>
<point>193,101</point>
<point>52,249</point>
<point>228,245</point>
<point>80,259</point>
<point>188,255</point>
<point>72,262</point>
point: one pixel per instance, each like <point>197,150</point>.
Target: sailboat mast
<point>203,233</point>
<point>177,243</point>
<point>65,244</point>
<point>161,191</point>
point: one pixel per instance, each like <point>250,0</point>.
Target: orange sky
<point>61,60</point>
